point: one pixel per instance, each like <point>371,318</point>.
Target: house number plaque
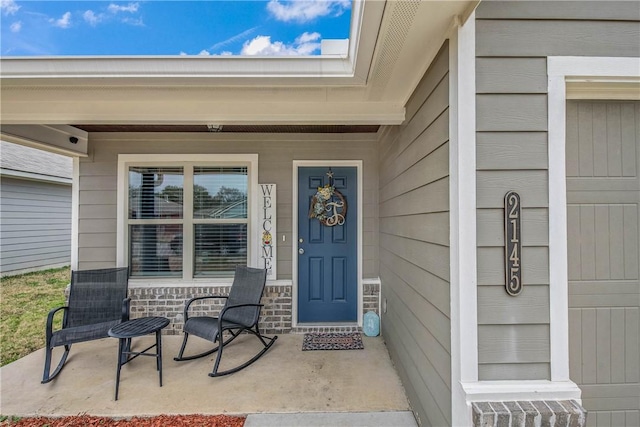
<point>512,243</point>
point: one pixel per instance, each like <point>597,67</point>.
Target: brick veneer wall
<point>371,298</point>
<point>169,302</point>
<point>276,314</point>
<point>539,413</point>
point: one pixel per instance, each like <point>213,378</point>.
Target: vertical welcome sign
<point>267,229</point>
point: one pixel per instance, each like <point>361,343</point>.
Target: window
<point>185,219</point>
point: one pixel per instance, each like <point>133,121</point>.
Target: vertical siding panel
<point>617,345</point>
<point>572,144</point>
<point>608,239</point>
<point>632,347</point>
<point>633,418</point>
<point>600,162</point>
<point>614,142</point>
<point>589,346</point>
<point>630,214</point>
<point>616,242</point>
<point>573,233</point>
<point>628,135</point>
<point>603,345</point>
<point>587,242</point>
<point>618,419</point>
<point>585,139</point>
<point>575,344</point>
<point>603,419</point>
<point>603,270</point>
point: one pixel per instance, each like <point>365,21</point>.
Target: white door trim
<point>560,70</point>
<point>294,230</point>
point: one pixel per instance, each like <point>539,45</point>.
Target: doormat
<point>324,341</point>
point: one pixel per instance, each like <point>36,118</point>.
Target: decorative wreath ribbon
<point>329,206</point>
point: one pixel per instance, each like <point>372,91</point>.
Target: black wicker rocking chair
<point>97,302</point>
<point>241,312</point>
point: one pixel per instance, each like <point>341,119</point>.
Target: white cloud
<point>306,10</point>
<point>63,22</point>
<point>305,44</point>
<point>235,38</point>
<point>133,21</point>
<point>16,27</point>
<point>9,7</point>
<point>204,52</point>
<point>308,37</point>
<point>131,8</point>
<point>91,18</point>
<point>226,53</point>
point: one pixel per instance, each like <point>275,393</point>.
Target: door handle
<point>301,251</point>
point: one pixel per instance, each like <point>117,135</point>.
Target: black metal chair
<point>241,312</point>
<point>97,302</point>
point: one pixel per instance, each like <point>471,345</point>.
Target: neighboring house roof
<point>236,209</point>
<point>162,208</point>
<point>26,162</point>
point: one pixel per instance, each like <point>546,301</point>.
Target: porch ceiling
<point>395,43</point>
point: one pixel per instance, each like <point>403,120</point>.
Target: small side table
<point>137,328</point>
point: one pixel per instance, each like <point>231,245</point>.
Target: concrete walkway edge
<point>333,419</point>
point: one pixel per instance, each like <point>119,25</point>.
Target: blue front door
<point>327,255</point>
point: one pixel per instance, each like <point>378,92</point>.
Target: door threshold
<point>303,328</point>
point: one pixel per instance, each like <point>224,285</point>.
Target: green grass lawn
<point>26,300</point>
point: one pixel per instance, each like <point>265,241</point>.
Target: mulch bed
<point>157,421</point>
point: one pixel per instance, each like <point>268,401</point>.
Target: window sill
<point>137,283</point>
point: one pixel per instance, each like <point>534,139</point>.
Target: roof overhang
<point>392,44</point>
<point>30,176</point>
<point>350,69</point>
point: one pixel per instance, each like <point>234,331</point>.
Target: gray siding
<point>35,226</point>
<point>513,40</point>
<point>603,203</point>
<point>98,180</point>
<point>414,245</point>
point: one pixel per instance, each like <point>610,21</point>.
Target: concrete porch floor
<point>285,380</point>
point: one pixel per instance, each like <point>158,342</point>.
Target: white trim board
<point>75,213</point>
<point>294,230</point>
<point>492,391</point>
<point>560,70</point>
<point>462,214</point>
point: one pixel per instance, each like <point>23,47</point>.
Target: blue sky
<point>264,27</point>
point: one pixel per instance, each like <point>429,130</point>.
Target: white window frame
<point>250,161</point>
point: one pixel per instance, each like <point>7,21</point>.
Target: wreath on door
<point>329,205</point>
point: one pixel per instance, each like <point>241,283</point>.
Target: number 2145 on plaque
<point>512,243</point>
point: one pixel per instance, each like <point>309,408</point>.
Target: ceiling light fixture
<point>214,128</point>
